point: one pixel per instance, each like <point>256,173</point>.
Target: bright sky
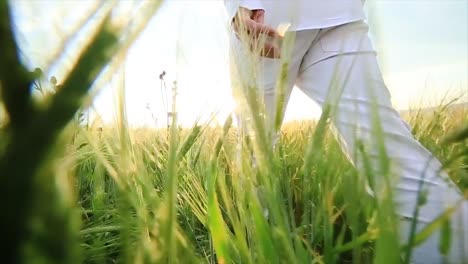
<point>422,49</point>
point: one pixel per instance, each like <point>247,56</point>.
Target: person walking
<point>332,60</point>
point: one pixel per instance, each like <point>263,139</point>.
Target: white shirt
<point>302,14</point>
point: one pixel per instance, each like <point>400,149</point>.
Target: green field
<point>317,208</point>
<point>74,193</point>
<point>125,195</point>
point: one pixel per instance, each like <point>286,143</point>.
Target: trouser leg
<point>350,81</point>
<point>261,74</point>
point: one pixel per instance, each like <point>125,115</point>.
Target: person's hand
<point>251,22</point>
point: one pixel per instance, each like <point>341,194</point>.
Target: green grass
<point>313,214</point>
<point>75,194</point>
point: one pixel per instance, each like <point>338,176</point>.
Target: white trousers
<point>338,66</point>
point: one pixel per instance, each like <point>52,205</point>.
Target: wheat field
<point>74,193</point>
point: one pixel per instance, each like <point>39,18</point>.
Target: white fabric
<point>338,67</point>
<point>302,14</point>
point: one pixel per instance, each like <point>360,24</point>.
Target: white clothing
<point>302,14</point>
<point>337,66</point>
